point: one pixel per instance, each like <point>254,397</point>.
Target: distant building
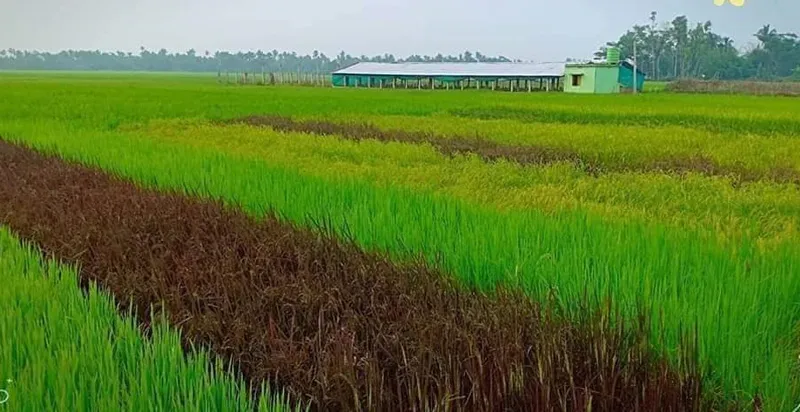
<point>607,76</point>
<point>504,76</point>
<point>602,77</point>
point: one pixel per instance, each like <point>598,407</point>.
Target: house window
<point>577,80</point>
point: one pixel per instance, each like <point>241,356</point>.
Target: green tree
<point>677,49</point>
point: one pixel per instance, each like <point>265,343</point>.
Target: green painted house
<point>602,78</point>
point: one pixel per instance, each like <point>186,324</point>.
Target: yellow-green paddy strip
<point>739,297</point>
<point>612,144</point>
<point>766,212</point>
<point>64,349</point>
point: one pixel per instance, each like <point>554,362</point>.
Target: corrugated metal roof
<point>457,69</point>
<point>627,63</point>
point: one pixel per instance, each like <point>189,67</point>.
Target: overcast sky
<point>539,30</point>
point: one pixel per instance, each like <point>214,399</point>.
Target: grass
<point>68,349</point>
<point>544,229</point>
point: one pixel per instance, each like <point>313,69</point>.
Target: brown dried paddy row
<point>491,151</point>
<point>332,324</point>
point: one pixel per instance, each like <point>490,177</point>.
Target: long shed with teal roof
<point>508,76</point>
<point>610,76</point>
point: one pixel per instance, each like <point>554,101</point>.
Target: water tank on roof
<point>612,55</point>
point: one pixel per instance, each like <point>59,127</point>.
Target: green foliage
<point>676,50</point>
<point>192,61</point>
<point>65,350</point>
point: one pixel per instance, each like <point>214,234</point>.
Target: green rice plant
<point>739,296</point>
<point>65,350</point>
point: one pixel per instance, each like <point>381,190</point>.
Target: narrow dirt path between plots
<point>334,325</point>
<point>491,151</point>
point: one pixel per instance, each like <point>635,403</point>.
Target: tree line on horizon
<point>666,50</point>
<point>220,61</point>
<point>677,49</point>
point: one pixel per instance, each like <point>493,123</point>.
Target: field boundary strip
<point>721,123</point>
<point>345,329</point>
